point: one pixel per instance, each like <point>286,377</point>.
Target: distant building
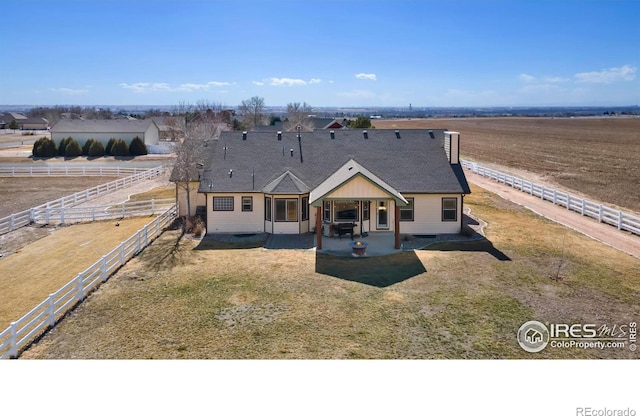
<point>103,130</point>
<point>23,122</point>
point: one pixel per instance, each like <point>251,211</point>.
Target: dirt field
<point>597,157</point>
<point>19,194</point>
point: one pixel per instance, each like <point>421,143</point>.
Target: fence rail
<point>26,217</point>
<point>51,310</point>
<point>68,171</point>
<point>601,213</point>
<point>124,209</point>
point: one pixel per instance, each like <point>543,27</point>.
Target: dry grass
<point>19,194</point>
<point>38,269</point>
<point>161,192</point>
<point>598,157</point>
<point>182,300</point>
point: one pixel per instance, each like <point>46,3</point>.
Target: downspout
<point>461,213</point>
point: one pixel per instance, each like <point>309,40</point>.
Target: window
<point>449,209</point>
<point>223,203</point>
<point>326,212</point>
<point>365,210</point>
<point>346,210</point>
<point>267,209</point>
<point>305,208</point>
<point>247,203</point>
<point>406,213</point>
<point>286,210</point>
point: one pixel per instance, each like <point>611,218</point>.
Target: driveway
<point>605,233</point>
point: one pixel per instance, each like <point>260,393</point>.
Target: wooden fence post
<point>122,255</point>
<point>568,201</point>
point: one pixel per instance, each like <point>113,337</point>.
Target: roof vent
<point>291,150</point>
<point>365,134</point>
<point>244,135</point>
<point>333,134</point>
<point>397,134</point>
<point>279,135</point>
<point>431,134</point>
<point>230,172</point>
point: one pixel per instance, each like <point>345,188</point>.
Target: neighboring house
<point>24,122</point>
<point>328,123</point>
<point>405,181</point>
<point>103,130</point>
<point>171,128</point>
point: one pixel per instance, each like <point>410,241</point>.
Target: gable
<point>358,188</point>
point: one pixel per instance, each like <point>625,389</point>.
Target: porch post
<point>319,228</point>
<point>396,221</point>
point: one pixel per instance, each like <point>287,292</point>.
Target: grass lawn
<point>450,301</point>
<point>28,276</point>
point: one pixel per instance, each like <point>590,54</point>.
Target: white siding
<point>358,188</point>
<point>152,135</point>
<point>236,221</point>
<point>82,138</point>
<point>427,215</point>
<point>195,197</point>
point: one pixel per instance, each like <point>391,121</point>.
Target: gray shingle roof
<point>101,126</point>
<point>415,163</point>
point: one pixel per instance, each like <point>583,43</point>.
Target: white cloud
<point>257,83</point>
<point>315,81</point>
<point>362,75</point>
<point>608,76</point>
<point>526,78</point>
<point>69,91</point>
<point>287,82</point>
<point>147,87</point>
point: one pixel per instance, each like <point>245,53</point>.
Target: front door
<point>383,215</point>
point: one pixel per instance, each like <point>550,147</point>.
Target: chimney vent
<point>244,135</point>
<point>333,134</point>
<point>397,134</point>
<point>279,135</point>
<point>365,134</point>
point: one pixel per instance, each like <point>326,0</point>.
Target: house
<point>404,181</point>
<point>103,130</point>
<point>23,122</point>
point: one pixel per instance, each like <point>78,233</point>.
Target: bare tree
<point>252,112</point>
<point>298,115</point>
<point>203,122</point>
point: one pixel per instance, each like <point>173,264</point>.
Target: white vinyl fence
<point>124,209</point>
<point>601,213</point>
<point>67,170</point>
<point>22,332</point>
<point>23,218</point>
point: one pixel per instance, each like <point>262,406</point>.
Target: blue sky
<point>345,53</point>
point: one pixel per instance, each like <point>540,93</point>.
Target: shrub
<point>72,149</point>
<point>137,147</point>
<point>87,146</point>
<point>196,226</point>
<point>44,147</point>
<point>96,149</point>
<point>110,143</point>
<point>63,145</point>
<point>120,148</point>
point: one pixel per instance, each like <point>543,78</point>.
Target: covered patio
<point>376,244</point>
